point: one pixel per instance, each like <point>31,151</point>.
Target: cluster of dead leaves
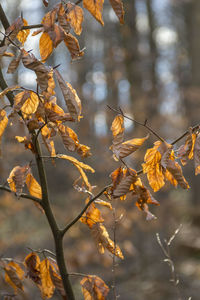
<point>45,274</point>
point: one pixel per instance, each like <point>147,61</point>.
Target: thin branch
<point>42,251</point>
<point>185,134</point>
<point>32,26</point>
<point>68,226</point>
<point>119,111</point>
<point>26,196</point>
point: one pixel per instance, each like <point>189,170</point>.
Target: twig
<point>68,226</point>
<point>113,258</point>
<point>42,251</point>
<point>119,111</point>
<point>168,259</point>
<point>186,133</point>
<point>2,187</point>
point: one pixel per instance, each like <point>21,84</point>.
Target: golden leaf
<point>46,46</point>
<point>103,240</point>
<point>75,14</point>
<point>63,19</point>
<point>69,140</point>
<point>3,122</point>
<point>104,203</point>
<point>185,151</point>
<point>49,143</point>
<point>95,7</point>
<point>23,34</point>
<point>32,263</point>
<point>49,19</point>
<point>30,105</point>
<point>92,215</point>
<point>93,287</point>
<point>57,281</point>
<point>71,98</point>
<point>73,46</point>
<point>117,125</point>
<point>123,185</point>
<point>26,141</point>
<point>153,168</point>
<point>118,8</point>
<point>14,275</point>
<point>33,186</point>
<point>47,287</point>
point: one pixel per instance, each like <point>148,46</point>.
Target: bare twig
<point>119,111</point>
<point>42,251</point>
<point>185,134</point>
<point>114,258</point>
<point>68,226</point>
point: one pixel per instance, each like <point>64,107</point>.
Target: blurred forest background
<point>150,67</point>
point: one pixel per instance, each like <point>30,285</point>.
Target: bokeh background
<point>150,67</point>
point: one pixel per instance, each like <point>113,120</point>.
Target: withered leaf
<point>33,186</point>
<point>57,281</point>
<point>26,141</point>
<point>3,122</point>
<point>49,143</point>
<point>92,215</point>
<point>49,19</point>
<point>63,19</point>
<point>94,287</point>
<point>32,263</point>
<point>46,46</point>
<point>71,98</point>
<point>103,240</point>
<point>75,14</point>
<point>12,31</point>
<point>95,7</point>
<point>185,151</point>
<point>123,187</point>
<point>13,65</point>
<point>9,89</point>
<point>14,275</point>
<point>175,169</point>
<point>17,178</point>
<point>118,8</point>
<point>73,46</point>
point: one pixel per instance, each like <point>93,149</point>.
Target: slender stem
<point>137,122</point>
<point>68,226</point>
<point>32,26</point>
<point>26,196</point>
<point>185,133</point>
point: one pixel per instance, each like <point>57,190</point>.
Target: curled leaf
<point>95,7</point>
<point>94,287</point>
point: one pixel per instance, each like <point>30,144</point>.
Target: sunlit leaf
<point>103,240</point>
<point>118,126</point>
<point>63,19</point>
<point>123,181</point>
<point>30,105</point>
<point>14,275</point>
<point>9,89</point>
<point>93,287</point>
<point>185,151</point>
<point>95,7</point>
<point>23,34</point>
<point>26,141</point>
<point>118,8</point>
<point>49,143</point>
<point>47,287</point>
<point>175,169</point>
<point>33,186</point>
<point>197,155</point>
<point>3,122</point>
<point>46,46</point>
<point>75,14</point>
<point>57,281</point>
<point>92,215</point>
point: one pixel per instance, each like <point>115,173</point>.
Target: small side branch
<point>68,226</point>
<point>119,111</point>
<point>26,196</point>
<point>185,134</point>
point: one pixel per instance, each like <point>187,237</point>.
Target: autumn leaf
<point>69,140</point>
<point>13,30</point>
<point>63,19</point>
<point>45,46</point>
<point>118,8</point>
<point>47,287</point>
<point>3,122</point>
<point>49,19</point>
<point>23,34</point>
<point>71,98</point>
<point>73,46</point>
<point>57,281</point>
<point>185,151</point>
<point>33,186</point>
<point>103,240</point>
<point>118,126</point>
<point>49,143</point>
<point>32,263</point>
<point>197,155</point>
<point>30,105</point>
<point>92,215</point>
<point>123,182</point>
<point>95,7</point>
<point>9,89</point>
<point>17,179</point>
<point>93,287</point>
<point>153,168</point>
<point>175,169</point>
<point>26,141</point>
<point>13,65</point>
<point>75,15</point>
<point>14,275</point>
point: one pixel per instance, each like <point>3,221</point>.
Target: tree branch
<point>26,196</point>
<point>68,226</point>
<point>185,133</point>
<point>119,111</point>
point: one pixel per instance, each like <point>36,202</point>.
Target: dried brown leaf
<point>32,263</point>
<point>47,287</point>
<point>23,34</point>
<point>118,8</point>
<point>14,275</point>
<point>175,169</point>
<point>95,7</point>
<point>197,155</point>
<point>75,15</point>
<point>13,65</point>
<point>17,178</point>
<point>94,288</point>
<point>73,46</point>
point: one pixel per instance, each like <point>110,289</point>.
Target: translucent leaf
<point>49,143</point>
<point>23,34</point>
<point>57,281</point>
<point>118,8</point>
<point>103,240</point>
<point>75,14</point>
<point>95,7</point>
<point>46,46</point>
<point>3,122</point>
<point>30,105</point>
<point>175,169</point>
<point>197,155</point>
<point>33,186</point>
<point>73,46</point>
<point>117,125</point>
<point>185,151</point>
<point>124,183</point>
<point>93,287</point>
<point>92,215</point>
<point>14,275</point>
<point>47,287</point>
